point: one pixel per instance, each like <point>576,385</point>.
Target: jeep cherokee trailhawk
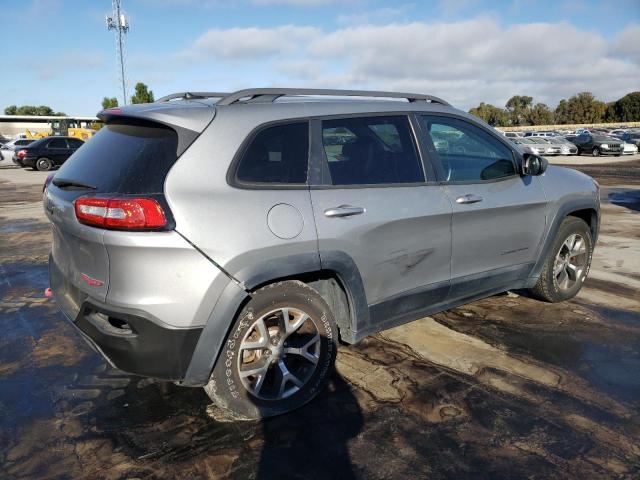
<point>232,240</point>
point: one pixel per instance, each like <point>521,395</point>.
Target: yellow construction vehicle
<point>66,128</point>
<point>34,136</point>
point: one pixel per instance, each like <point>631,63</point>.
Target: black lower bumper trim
<point>136,344</point>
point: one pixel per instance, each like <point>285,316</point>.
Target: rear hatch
<point>128,158</point>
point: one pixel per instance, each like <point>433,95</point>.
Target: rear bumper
<point>28,162</point>
<point>130,340</point>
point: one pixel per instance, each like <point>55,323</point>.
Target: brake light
<point>120,213</point>
<point>21,153</point>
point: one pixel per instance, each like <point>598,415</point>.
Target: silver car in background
<point>528,145</point>
<point>566,147</point>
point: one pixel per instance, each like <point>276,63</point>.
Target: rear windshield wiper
<point>63,183</point>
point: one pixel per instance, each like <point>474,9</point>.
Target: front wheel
<point>44,164</point>
<point>568,263</point>
<point>279,353</point>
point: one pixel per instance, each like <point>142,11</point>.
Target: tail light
<point>21,154</point>
<point>120,213</point>
<point>47,181</point>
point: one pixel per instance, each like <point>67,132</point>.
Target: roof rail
<point>271,94</point>
<point>193,95</point>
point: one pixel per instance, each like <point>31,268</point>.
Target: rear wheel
<point>278,355</point>
<point>568,263</point>
<point>44,164</point>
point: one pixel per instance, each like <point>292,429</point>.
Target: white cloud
<point>242,44</point>
<point>465,62</point>
<point>627,43</point>
<point>380,15</point>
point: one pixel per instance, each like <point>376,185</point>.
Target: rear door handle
<point>468,198</point>
<point>343,211</point>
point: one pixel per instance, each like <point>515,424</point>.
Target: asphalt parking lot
<point>506,387</point>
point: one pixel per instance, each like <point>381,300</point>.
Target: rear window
<point>277,155</point>
<point>124,159</point>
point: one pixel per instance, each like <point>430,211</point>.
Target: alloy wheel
<point>571,262</point>
<point>279,353</point>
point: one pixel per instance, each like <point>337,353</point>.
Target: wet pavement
<point>506,387</point>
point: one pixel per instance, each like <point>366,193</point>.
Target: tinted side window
<point>468,153</point>
<point>57,143</point>
<point>277,154</point>
<point>75,143</point>
<point>371,150</point>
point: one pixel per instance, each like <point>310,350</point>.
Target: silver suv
<point>231,241</point>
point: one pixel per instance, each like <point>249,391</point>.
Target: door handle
<point>468,198</point>
<point>343,211</point>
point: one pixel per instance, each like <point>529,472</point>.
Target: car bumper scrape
<point>130,340</point>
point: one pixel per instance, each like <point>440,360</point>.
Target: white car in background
<point>6,151</point>
<point>630,149</point>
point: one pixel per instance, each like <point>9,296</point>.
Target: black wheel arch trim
<point>565,210</point>
<point>234,296</point>
<point>214,334</point>
<point>337,262</point>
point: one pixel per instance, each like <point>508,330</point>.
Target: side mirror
<point>534,164</point>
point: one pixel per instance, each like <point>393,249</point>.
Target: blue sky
<point>466,51</point>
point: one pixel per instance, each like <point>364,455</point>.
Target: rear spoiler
<point>187,119</point>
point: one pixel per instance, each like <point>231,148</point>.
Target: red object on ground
<point>48,293</point>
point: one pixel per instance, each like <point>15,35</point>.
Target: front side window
<point>466,152</point>
<point>370,151</point>
<point>277,155</point>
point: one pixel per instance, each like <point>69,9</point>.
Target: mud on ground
<point>506,387</point>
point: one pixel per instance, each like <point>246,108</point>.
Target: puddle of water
<point>625,198</point>
<point>613,370</point>
<point>23,225</point>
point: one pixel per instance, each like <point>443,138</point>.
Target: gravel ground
<point>506,387</point>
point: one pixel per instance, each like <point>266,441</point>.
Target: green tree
<point>41,110</point>
<point>610,113</point>
<point>581,108</point>
<point>627,109</point>
<point>540,114</point>
<point>519,107</point>
<point>491,114</point>
<point>109,102</point>
<point>143,94</point>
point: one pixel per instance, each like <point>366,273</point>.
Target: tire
<point>595,152</point>
<point>551,285</point>
<point>260,326</point>
<point>43,164</point>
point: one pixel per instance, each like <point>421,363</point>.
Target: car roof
<point>193,111</point>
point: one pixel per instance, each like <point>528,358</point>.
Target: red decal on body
<point>92,282</point>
